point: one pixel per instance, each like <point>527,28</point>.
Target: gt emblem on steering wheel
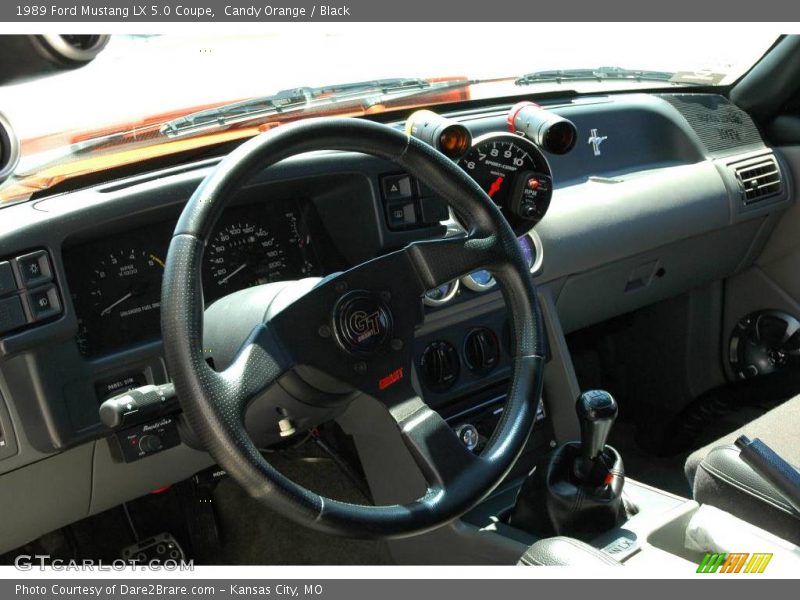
<point>364,325</point>
<point>362,322</point>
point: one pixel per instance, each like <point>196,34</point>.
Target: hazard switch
<point>397,187</point>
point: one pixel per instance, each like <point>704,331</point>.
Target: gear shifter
<point>597,411</point>
<point>577,492</point>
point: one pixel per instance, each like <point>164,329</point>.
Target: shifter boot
<point>556,501</point>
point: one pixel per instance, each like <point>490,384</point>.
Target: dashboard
<point>661,193</point>
<point>608,227</point>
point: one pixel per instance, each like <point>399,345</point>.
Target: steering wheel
<point>369,314</point>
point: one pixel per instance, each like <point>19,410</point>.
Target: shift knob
<point>597,411</point>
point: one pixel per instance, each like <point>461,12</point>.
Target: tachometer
<point>242,255</point>
<point>127,282</point>
<point>124,295</point>
<point>514,173</point>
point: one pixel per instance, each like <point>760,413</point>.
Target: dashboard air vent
<point>9,149</point>
<point>70,50</point>
<point>758,179</point>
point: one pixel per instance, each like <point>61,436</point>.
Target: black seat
<point>720,478</point>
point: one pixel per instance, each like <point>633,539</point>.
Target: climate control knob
<point>481,350</point>
<point>439,366</point>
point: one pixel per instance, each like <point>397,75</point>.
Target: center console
<point>618,521</point>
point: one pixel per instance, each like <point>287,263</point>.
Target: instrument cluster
<point>116,281</point>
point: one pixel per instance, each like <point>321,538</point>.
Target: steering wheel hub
<point>362,322</point>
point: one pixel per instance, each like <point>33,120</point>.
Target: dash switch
<point>7,283</point>
<point>11,314</point>
<point>43,303</point>
<point>34,269</point>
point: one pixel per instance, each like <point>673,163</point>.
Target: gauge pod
<point>449,137</point>
<point>9,149</point>
<point>69,50</point>
<point>72,50</point>
<point>544,128</point>
<point>441,295</point>
<point>529,244</point>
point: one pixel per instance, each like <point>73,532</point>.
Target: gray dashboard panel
<point>607,291</point>
<point>598,222</point>
<point>114,483</point>
<point>44,496</point>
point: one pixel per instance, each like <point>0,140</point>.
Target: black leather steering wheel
<point>371,311</point>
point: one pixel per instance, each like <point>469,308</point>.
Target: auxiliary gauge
<point>482,281</point>
<point>442,294</point>
<point>479,281</point>
<point>515,175</point>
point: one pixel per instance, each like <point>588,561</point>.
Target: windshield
<point>132,94</point>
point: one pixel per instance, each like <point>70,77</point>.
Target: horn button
<point>362,322</point>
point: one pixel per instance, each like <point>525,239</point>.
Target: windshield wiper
<point>302,98</point>
<point>600,74</point>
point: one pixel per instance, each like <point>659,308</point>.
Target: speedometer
<point>515,175</point>
<point>242,255</point>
